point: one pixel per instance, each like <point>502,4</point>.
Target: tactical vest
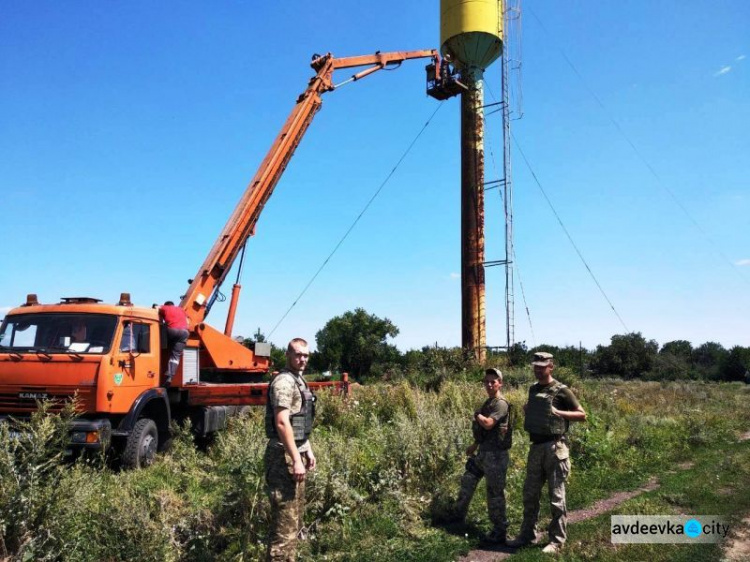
<point>501,432</point>
<point>302,421</point>
<point>539,417</point>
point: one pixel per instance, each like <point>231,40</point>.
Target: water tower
<point>471,39</point>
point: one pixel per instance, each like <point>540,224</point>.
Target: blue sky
<point>129,130</point>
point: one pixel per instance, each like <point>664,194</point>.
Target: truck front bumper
<point>82,434</point>
<point>90,434</point>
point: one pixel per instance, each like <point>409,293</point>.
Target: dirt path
<point>737,548</point>
<point>496,553</point>
<point>603,506</point>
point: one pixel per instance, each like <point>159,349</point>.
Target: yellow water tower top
<point>471,32</point>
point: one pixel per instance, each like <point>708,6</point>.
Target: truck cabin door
<point>138,354</point>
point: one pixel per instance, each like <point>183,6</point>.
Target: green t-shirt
<point>497,409</point>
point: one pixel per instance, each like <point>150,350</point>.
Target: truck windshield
<point>57,333</point>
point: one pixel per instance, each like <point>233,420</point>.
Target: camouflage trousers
<point>287,505</point>
<point>492,465</point>
<point>547,461</point>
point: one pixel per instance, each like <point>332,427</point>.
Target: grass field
<point>390,459</point>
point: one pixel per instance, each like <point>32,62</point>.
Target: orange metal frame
<point>250,394</point>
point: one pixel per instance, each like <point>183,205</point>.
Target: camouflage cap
<point>542,359</point>
<point>494,372</point>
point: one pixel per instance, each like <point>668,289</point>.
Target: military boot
<point>521,541</point>
<point>496,536</point>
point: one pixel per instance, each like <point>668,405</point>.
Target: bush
<point>669,367</point>
<point>735,365</point>
<point>30,466</point>
<point>707,360</point>
<point>629,356</point>
<point>354,341</point>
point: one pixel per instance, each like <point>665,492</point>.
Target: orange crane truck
<point>112,357</point>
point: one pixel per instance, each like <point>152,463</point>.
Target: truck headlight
<point>78,437</point>
<point>84,437</point>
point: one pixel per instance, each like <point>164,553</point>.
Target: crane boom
<point>204,287</point>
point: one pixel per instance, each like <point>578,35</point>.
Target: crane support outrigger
<point>110,357</point>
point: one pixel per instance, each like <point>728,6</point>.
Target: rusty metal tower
<point>471,38</point>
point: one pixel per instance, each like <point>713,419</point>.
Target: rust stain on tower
<point>473,333</point>
<point>471,38</point>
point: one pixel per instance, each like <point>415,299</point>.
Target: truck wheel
<point>143,441</point>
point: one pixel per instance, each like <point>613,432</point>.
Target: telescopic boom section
<point>204,287</point>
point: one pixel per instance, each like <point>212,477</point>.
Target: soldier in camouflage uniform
<point>492,437</point>
<point>289,414</point>
<point>550,408</point>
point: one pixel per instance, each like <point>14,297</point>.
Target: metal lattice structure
<point>510,106</point>
<point>511,99</point>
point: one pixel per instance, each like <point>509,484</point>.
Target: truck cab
<point>106,357</point>
<point>109,354</point>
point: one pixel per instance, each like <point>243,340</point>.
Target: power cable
<point>640,156</point>
<point>356,220</point>
<point>570,238</point>
<point>513,250</point>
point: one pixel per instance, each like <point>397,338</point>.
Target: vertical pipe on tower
<point>473,331</point>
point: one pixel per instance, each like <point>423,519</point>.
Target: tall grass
<point>390,458</point>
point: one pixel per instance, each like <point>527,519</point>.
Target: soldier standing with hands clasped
<point>290,410</point>
<point>492,437</point>
<point>549,410</point>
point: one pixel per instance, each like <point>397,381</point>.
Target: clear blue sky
<point>128,131</point>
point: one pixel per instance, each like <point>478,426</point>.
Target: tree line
<point>357,342</point>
